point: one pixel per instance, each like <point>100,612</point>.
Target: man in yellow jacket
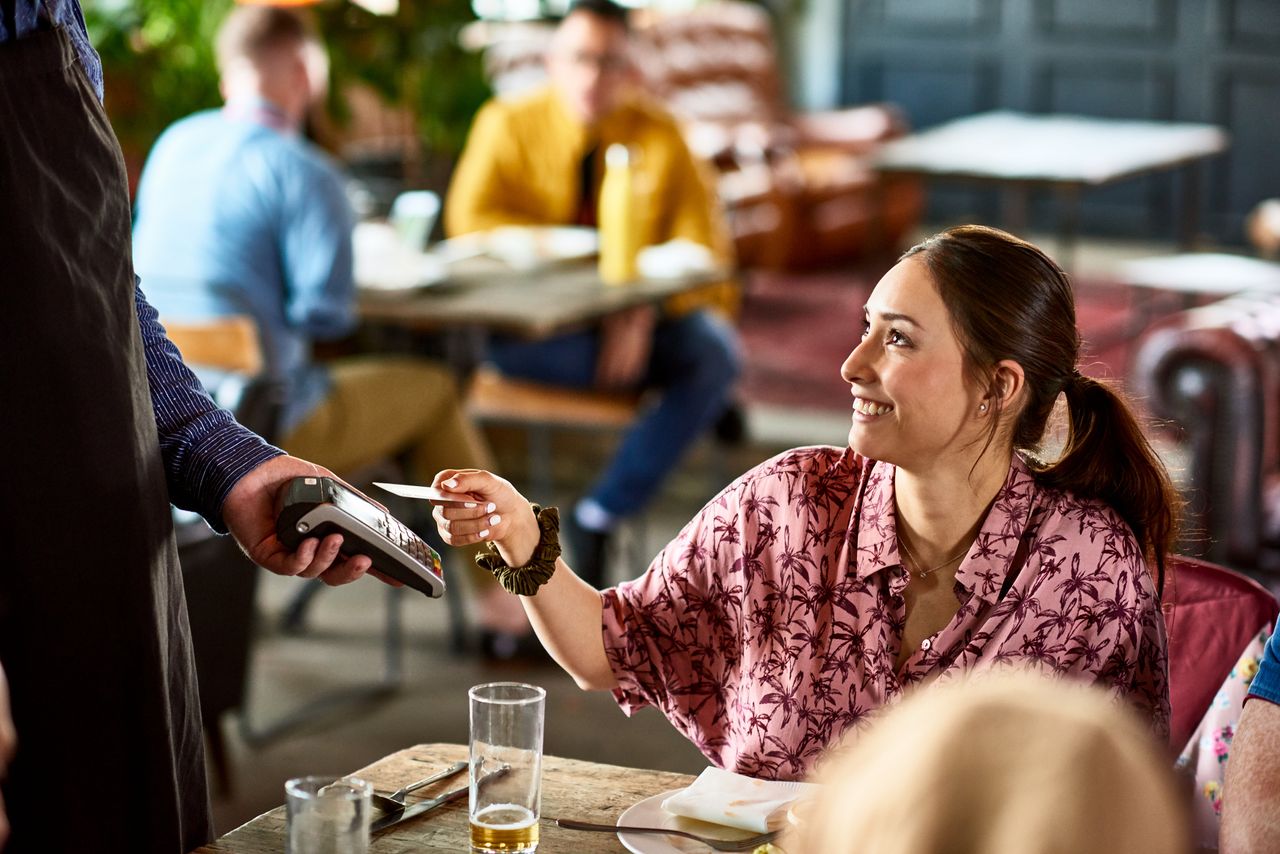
<point>538,160</point>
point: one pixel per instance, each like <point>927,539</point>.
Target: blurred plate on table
<point>526,247</point>
<point>568,243</point>
<point>399,274</point>
<point>385,265</point>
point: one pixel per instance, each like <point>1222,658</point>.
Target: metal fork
<point>748,844</point>
<point>395,801</point>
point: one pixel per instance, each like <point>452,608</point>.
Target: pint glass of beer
<point>506,766</point>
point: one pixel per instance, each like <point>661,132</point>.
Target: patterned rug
<point>798,328</point>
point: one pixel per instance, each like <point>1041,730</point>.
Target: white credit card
<point>429,493</point>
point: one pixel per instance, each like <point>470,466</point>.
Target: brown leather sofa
<point>1214,371</point>
<point>795,185</point>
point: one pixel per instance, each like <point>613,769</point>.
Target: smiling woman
<point>819,586</point>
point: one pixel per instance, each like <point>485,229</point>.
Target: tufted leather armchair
<point>1215,372</point>
<point>805,173</point>
<point>795,185</point>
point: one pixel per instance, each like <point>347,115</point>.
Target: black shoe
<point>588,551</point>
<point>731,426</point>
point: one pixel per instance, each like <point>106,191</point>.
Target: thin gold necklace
<point>924,573</point>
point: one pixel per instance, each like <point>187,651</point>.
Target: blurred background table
<point>587,791</point>
<point>1065,153</point>
<point>1190,279</point>
<point>535,303</point>
<point>448,300</point>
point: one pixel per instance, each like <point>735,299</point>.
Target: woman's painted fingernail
<point>484,535</point>
<point>491,507</point>
<point>495,519</point>
<point>469,504</point>
<point>452,483</point>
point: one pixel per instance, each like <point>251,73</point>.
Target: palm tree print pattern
<point>772,623</point>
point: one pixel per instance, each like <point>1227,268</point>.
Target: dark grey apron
<point>93,628</point>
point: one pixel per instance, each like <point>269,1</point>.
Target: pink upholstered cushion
<point>1211,615</point>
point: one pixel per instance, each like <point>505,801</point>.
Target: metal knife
<point>427,806</point>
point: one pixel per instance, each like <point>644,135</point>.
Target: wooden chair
<point>229,343</point>
<point>541,410</point>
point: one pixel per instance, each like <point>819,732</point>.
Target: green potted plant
<point>157,58</point>
<point>159,64</point>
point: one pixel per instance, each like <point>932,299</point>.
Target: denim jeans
<point>693,365</point>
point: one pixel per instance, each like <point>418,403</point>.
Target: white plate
<point>569,242</point>
<point>383,264</point>
<point>525,247</point>
<point>649,813</point>
<point>400,273</point>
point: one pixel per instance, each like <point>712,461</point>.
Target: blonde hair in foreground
<point>998,764</point>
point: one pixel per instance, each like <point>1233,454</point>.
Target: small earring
<point>982,408</point>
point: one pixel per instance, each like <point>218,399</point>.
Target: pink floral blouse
<point>772,623</point>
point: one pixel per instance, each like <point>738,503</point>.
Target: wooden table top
<point>534,303</point>
<point>571,788</point>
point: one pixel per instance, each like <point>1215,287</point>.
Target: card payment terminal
<point>319,506</point>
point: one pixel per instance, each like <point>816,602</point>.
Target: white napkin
<point>674,259</point>
<point>722,797</point>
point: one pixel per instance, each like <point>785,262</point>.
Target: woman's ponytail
<point>1108,457</point>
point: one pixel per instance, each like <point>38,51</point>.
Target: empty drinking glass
<point>327,815</point>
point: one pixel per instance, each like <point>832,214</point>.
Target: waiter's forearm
<point>205,451</point>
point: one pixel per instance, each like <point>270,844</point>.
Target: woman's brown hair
<point>1008,300</point>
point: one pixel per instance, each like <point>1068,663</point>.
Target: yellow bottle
<point>616,212</point>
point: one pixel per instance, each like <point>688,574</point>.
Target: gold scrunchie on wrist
<point>525,580</point>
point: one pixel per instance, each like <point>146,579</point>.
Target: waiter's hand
<point>250,515</point>
<point>626,340</point>
<point>8,743</point>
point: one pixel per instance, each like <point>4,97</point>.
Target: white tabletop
<point>1013,146</point>
<point>1202,273</point>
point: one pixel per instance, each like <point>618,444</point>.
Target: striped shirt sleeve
<point>205,451</point>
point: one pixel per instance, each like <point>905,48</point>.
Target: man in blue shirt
<point>237,213</point>
<point>1251,790</point>
<point>104,425</point>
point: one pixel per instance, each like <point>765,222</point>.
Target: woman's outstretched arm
<point>565,612</point>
